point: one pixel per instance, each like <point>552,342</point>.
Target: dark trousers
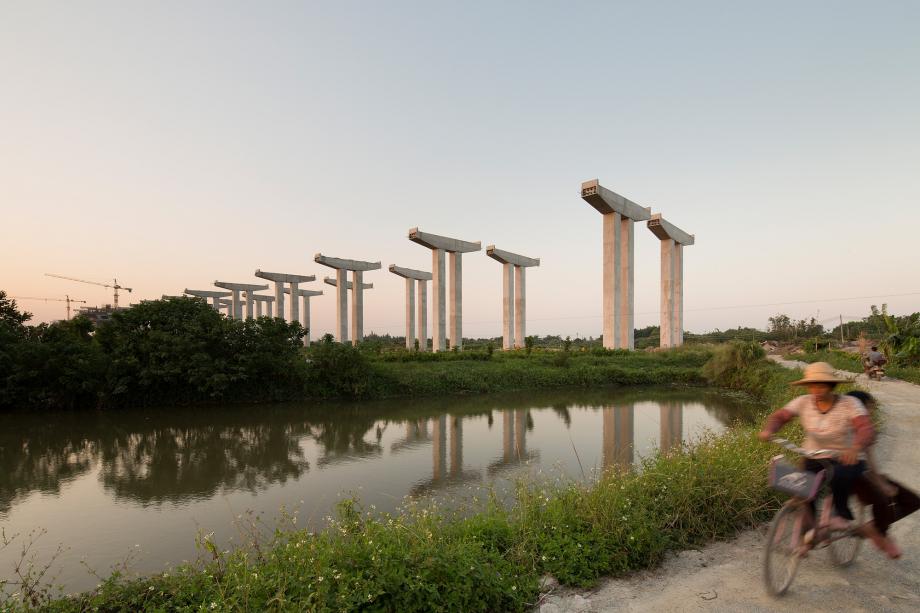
<point>841,483</point>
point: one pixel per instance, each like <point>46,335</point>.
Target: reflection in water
<point>131,476</point>
<point>619,436</point>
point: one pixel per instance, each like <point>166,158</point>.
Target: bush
<point>338,369</point>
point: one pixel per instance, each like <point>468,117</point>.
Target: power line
<point>700,309</point>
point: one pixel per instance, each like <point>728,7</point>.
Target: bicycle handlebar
<point>833,453</point>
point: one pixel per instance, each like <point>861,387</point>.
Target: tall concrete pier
<point>305,295</point>
<point>357,268</point>
<point>619,233</point>
<point>440,245</point>
<point>413,278</point>
<point>267,301</point>
<point>279,279</point>
<point>236,288</point>
<point>226,304</point>
<point>214,296</point>
<point>673,240</point>
<point>514,326</point>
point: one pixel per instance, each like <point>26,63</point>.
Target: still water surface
<point>108,484</point>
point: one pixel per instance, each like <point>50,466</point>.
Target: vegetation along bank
<point>180,351</point>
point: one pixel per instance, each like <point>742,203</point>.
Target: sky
<point>171,144</point>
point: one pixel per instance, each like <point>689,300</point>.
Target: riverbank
<point>727,576</point>
<point>424,558</point>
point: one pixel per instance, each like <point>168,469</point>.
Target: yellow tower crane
<point>66,299</point>
<point>114,285</point>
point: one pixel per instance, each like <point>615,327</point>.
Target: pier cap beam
<point>665,231</point>
<point>348,284</point>
<point>281,277</point>
<point>343,264</point>
<point>305,292</point>
<point>435,241</point>
<point>241,287</point>
<point>506,257</point>
<point>200,293</point>
<point>409,273</point>
<point>607,201</point>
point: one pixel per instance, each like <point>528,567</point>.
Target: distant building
<point>98,314</point>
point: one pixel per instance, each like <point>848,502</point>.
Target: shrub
<point>338,369</point>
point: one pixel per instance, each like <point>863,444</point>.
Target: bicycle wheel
<point>843,550</point>
<point>783,550</point>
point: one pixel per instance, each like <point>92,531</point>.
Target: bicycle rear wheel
<point>843,550</point>
<point>783,550</point>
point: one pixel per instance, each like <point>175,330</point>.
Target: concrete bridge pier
<point>619,215</point>
<point>305,295</point>
<point>514,326</point>
<point>206,294</point>
<point>415,278</point>
<point>440,245</point>
<point>342,285</point>
<point>673,240</point>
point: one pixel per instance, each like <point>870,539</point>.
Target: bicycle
<point>793,532</point>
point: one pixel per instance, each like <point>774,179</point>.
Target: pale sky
<point>174,143</point>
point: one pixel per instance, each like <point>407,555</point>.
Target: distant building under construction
<point>98,314</point>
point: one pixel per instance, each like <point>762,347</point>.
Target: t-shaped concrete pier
<point>412,278</point>
<point>514,327</point>
<point>619,233</point>
<point>440,245</point>
<point>267,301</point>
<point>305,295</point>
<point>214,296</point>
<point>279,279</point>
<point>357,268</point>
<point>673,240</point>
<point>236,288</point>
<point>226,304</point>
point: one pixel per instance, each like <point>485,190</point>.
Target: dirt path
<point>727,576</point>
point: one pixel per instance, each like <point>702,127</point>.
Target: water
<point>107,485</point>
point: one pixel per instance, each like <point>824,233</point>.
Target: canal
<point>141,484</point>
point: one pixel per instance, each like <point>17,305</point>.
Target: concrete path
<point>728,576</point>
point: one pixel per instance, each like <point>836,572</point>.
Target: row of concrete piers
<point>618,272</point>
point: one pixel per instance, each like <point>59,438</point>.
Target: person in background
<point>876,357</point>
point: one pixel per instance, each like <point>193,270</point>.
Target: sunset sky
<point>169,144</point>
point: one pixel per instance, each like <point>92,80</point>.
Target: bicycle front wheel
<point>784,547</point>
<point>843,550</point>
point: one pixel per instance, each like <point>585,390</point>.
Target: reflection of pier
<point>514,441</point>
<point>619,436</point>
<point>619,432</point>
<point>671,425</point>
<point>416,434</point>
<point>441,473</point>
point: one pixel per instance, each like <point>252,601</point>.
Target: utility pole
<point>841,330</point>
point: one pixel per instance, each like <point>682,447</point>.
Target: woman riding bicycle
<point>837,423</point>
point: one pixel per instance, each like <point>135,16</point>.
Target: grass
<point>341,371</point>
<point>853,362</point>
<point>490,557</point>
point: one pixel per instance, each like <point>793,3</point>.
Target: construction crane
<point>66,299</point>
<point>114,285</point>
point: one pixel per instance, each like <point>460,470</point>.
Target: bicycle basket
<point>790,479</point>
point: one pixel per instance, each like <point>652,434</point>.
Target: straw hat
<point>819,372</point>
